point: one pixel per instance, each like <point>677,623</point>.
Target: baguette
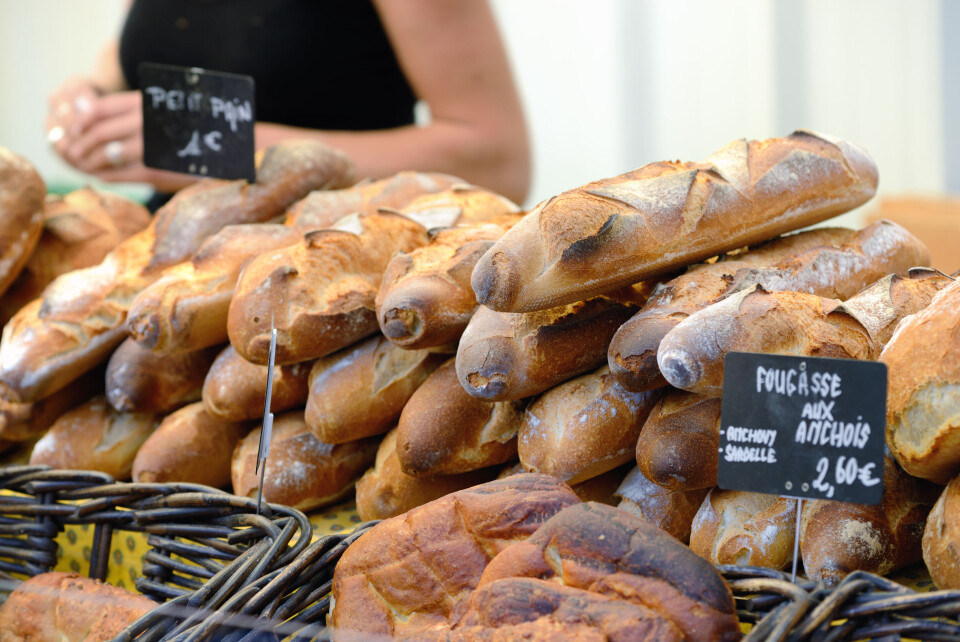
<point>21,214</point>
<point>386,491</point>
<point>302,472</point>
<point>923,404</point>
<point>669,510</point>
<point>21,422</point>
<point>360,392</point>
<point>459,204</point>
<point>444,431</point>
<point>837,538</point>
<point>140,380</point>
<point>80,318</point>
<point>79,229</point>
<point>584,427</point>
<point>941,539</point>
<point>186,308</point>
<point>190,445</point>
<point>665,216</point>
<point>506,355</point>
<point>318,294</point>
<point>829,262</point>
<point>677,448</point>
<point>407,573</point>
<point>235,389</point>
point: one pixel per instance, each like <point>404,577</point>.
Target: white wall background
<point>611,84</point>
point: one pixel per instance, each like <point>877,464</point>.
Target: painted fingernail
<point>55,135</point>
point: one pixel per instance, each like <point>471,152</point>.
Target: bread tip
<point>492,280</point>
<point>679,368</point>
<point>635,372</point>
<point>401,325</point>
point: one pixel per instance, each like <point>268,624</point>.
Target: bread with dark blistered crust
<point>671,510</point>
<point>22,192</point>
<point>665,216</point>
<point>602,549</point>
<point>829,262</point>
<point>941,539</point>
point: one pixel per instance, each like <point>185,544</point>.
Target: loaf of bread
<point>677,448</point>
<point>141,380</point>
<point>607,551</point>
<point>81,317</point>
<point>407,573</point>
<point>190,445</point>
<point>739,527</point>
<point>941,539</point>
<point>360,391</point>
<point>79,229</point>
<point>837,538</point>
<point>754,320</point>
<point>444,431</point>
<point>301,471</point>
<point>584,427</point>
<point>94,436</point>
<point>601,488</point>
<point>65,607</point>
<point>830,262</point>
<point>425,298</point>
<point>665,216</point>
<point>320,293</point>
<point>235,389</point>
<point>460,204</point>
<point>186,308</point>
<point>21,214</point>
<point>27,421</point>
<point>386,491</point>
<point>923,397</point>
<point>670,510</point>
<point>507,355</point>
<point>532,609</point>
<point>323,208</point>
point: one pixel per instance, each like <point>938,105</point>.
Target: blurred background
<point>609,85</point>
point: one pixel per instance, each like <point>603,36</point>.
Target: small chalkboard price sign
<point>803,427</point>
<point>197,121</point>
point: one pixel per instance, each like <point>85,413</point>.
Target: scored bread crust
<point>22,192</point>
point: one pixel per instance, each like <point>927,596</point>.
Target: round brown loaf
<point>21,214</point>
<point>941,538</point>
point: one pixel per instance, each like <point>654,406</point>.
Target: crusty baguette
<point>670,510</point>
<point>186,308</point>
<point>94,436</point>
<point>739,527</point>
<point>508,355</point>
<point>141,380</point>
<point>64,607</point>
<point>408,572</point>
<point>318,294</point>
<point>941,539</point>
<point>425,298</point>
<point>21,214</point>
<point>830,262</point>
<point>837,538</point>
<point>28,421</point>
<point>754,320</point>
<point>677,448</point>
<point>235,389</point>
<point>189,445</point>
<point>302,471</point>
<point>583,427</point>
<point>78,231</point>
<point>608,551</point>
<point>923,398</point>
<point>386,491</point>
<point>323,208</point>
<point>360,391</point>
<point>445,431</point>
<point>459,204</point>
<point>80,318</point>
<point>664,216</point>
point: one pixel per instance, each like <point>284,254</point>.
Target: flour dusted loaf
<point>81,317</point>
<point>830,262</point>
<point>664,216</point>
<point>360,391</point>
<point>607,551</point>
<point>941,538</point>
<point>670,510</point>
<point>186,308</point>
<point>445,431</point>
<point>21,214</point>
<point>319,294</point>
<point>923,398</point>
<point>406,574</point>
<point>61,607</point>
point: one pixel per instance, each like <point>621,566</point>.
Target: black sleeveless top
<point>322,64</point>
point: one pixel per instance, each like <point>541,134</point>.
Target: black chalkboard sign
<point>197,121</point>
<point>803,427</point>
